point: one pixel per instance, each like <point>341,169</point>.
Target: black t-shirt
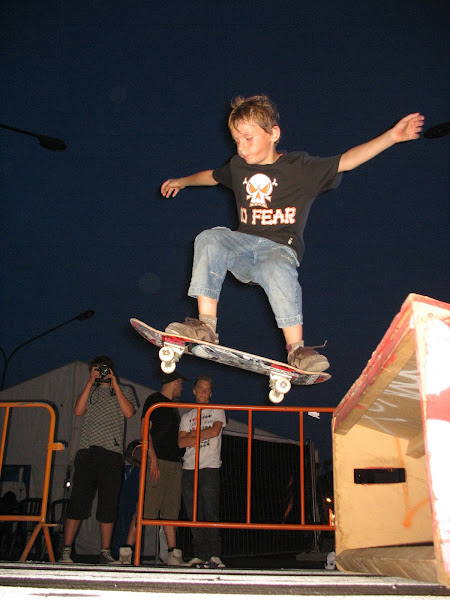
<point>273,201</point>
<point>164,430</point>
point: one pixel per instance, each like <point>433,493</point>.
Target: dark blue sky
<point>139,91</point>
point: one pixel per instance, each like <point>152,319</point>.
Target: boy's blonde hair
<point>258,109</point>
<point>203,377</point>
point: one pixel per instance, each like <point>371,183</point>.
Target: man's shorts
<point>163,497</point>
<point>96,469</point>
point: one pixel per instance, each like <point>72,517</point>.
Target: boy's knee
<point>203,238</point>
<point>284,259</point>
<point>211,237</point>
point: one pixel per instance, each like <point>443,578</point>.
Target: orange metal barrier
<point>52,446</point>
<point>302,526</point>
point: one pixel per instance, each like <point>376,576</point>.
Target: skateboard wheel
<point>166,355</point>
<point>282,386</point>
<point>168,367</point>
<point>275,397</point>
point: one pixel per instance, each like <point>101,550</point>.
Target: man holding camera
<point>98,463</point>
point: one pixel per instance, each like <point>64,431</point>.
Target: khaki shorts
<point>163,497</point>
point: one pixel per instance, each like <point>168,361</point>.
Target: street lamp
<point>46,141</point>
<point>87,314</point>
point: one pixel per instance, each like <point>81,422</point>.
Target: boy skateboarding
<point>274,193</point>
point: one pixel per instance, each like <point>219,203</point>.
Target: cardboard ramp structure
<point>391,452</point>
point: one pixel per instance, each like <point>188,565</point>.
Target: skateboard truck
<point>169,355</point>
<point>280,384</point>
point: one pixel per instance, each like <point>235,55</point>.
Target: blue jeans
<point>250,259</point>
<point>206,540</point>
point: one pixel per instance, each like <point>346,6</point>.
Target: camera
<point>104,371</point>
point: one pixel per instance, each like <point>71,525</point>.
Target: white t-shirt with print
<point>209,449</point>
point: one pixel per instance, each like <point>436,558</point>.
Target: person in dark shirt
<point>274,192</point>
<point>163,476</point>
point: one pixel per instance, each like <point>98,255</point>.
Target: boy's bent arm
<point>171,187</point>
<point>406,129</point>
<point>81,405</point>
<point>188,439</point>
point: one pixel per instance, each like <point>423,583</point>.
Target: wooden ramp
<point>391,452</point>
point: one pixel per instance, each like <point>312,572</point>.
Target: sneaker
<point>175,558</point>
<point>194,562</point>
<point>125,555</point>
<point>65,556</point>
<point>214,563</point>
<point>307,359</point>
<point>105,558</point>
<point>195,329</point>
<point>330,565</point>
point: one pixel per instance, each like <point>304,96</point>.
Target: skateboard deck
<point>281,375</point>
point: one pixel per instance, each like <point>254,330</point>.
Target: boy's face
<point>255,145</point>
<point>202,391</point>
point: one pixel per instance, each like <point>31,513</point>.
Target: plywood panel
<point>397,415</point>
<point>379,514</point>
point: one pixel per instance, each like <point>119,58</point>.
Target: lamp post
<point>46,141</point>
<point>81,317</point>
<point>437,131</point>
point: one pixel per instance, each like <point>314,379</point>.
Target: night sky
<point>140,91</point>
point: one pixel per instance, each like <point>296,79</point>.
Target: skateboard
<point>281,375</point>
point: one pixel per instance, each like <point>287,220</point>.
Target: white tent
<point>28,434</point>
<point>238,429</point>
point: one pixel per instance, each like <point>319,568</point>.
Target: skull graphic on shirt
<point>259,189</point>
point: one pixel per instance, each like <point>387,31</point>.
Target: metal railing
<point>247,524</point>
<point>52,446</point>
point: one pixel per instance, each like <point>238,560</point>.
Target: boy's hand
<point>94,374</point>
<point>171,187</point>
<point>111,378</point>
<point>408,128</point>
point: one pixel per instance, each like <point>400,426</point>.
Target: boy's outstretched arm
<point>406,129</point>
<point>171,187</point>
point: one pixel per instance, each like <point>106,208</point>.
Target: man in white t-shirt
<point>206,541</point>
